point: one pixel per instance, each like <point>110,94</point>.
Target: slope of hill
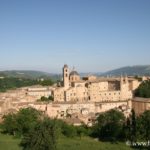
<point>129,70</point>
<point>29,74</point>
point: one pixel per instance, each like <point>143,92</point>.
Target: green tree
<point>82,131</point>
<point>42,137</point>
<point>133,126</point>
<point>143,90</point>
<point>69,130</point>
<point>45,99</point>
<point>26,119</point>
<point>46,82</point>
<point>144,125</point>
<point>109,125</point>
<point>21,122</point>
<point>9,124</point>
<point>11,83</point>
<point>127,129</point>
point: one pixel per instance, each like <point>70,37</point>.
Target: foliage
<point>10,124</point>
<point>11,83</point>
<point>46,82</point>
<point>144,125</point>
<point>46,99</point>
<point>138,128</point>
<point>69,130</point>
<point>20,123</point>
<point>133,125</point>
<point>10,143</point>
<point>143,90</point>
<point>42,137</point>
<point>83,130</point>
<point>109,125</point>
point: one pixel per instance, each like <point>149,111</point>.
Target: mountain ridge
<point>129,70</point>
<point>33,74</point>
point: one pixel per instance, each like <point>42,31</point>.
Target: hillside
<point>129,70</point>
<point>29,74</point>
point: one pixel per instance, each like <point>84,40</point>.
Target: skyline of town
<point>92,36</point>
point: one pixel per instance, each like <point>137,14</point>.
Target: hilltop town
<point>77,100</point>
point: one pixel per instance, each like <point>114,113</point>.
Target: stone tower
<point>66,76</point>
<point>124,87</point>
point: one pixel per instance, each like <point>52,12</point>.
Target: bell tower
<point>66,76</point>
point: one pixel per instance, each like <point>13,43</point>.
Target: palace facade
<point>93,89</point>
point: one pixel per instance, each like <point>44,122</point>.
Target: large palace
<point>93,89</point>
<point>77,100</point>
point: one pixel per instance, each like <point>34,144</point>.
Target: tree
<point>42,137</point>
<point>82,130</point>
<point>109,125</point>
<point>143,90</point>
<point>69,130</point>
<point>9,124</point>
<point>47,82</point>
<point>127,129</point>
<point>21,122</point>
<point>45,99</point>
<point>27,118</point>
<point>12,82</point>
<point>144,125</point>
<point>133,126</point>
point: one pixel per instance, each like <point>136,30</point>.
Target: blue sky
<point>92,35</point>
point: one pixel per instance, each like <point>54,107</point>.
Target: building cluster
<point>77,100</point>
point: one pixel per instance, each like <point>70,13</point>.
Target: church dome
<point>74,73</point>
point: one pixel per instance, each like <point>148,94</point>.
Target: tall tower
<point>66,76</point>
<point>124,88</point>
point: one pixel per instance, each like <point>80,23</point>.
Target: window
<point>66,75</point>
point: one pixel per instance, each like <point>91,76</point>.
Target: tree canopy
<point>143,90</point>
<point>109,125</point>
<point>42,137</point>
<point>21,122</point>
<point>11,83</point>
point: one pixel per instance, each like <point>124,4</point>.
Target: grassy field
<point>86,143</point>
<point>9,143</point>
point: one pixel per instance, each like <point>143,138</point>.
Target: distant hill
<point>29,74</point>
<point>90,73</point>
<point>129,70</point>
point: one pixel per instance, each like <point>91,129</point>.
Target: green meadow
<point>85,143</point>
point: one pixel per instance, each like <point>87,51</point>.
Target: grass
<point>9,143</point>
<point>87,143</point>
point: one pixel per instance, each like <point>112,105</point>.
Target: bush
<point>21,122</point>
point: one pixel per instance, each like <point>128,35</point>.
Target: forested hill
<point>29,74</point>
<point>130,70</point>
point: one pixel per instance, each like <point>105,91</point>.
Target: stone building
<point>140,105</point>
<point>93,89</point>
